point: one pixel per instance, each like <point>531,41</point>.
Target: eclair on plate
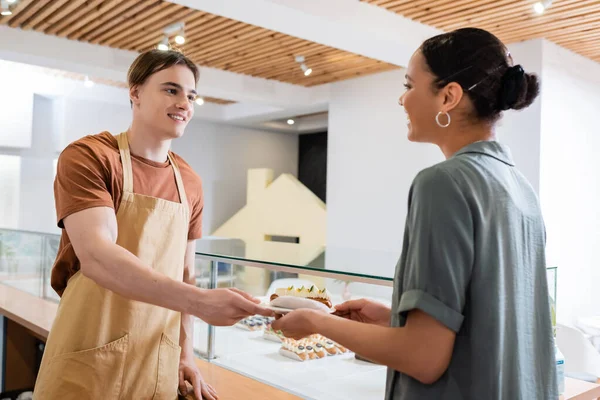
<point>302,297</point>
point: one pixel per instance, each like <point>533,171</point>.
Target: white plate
<point>279,310</point>
<point>283,310</point>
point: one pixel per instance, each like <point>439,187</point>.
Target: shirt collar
<point>493,149</point>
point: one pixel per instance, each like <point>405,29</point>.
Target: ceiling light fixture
<point>307,71</point>
<point>290,122</point>
<point>4,9</point>
<point>87,82</point>
<point>542,6</point>
<point>199,101</point>
<point>164,44</point>
<point>177,29</point>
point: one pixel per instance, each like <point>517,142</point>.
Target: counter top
<point>37,315</point>
<point>576,389</point>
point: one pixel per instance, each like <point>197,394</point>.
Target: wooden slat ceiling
<point>573,24</point>
<point>211,40</point>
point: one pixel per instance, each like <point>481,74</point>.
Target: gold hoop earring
<point>437,119</point>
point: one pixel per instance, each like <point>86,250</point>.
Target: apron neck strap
<point>179,181</point>
<point>128,171</point>
<point>126,161</point>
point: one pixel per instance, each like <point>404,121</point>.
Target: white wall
<point>87,117</point>
<point>37,211</point>
<point>371,165</point>
<point>9,190</point>
<point>570,183</point>
<point>15,126</point>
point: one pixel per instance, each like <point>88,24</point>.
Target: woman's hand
<point>366,311</point>
<point>298,324</point>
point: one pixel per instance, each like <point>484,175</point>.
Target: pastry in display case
<point>331,347</point>
<point>310,348</point>
<point>254,323</point>
<point>272,335</point>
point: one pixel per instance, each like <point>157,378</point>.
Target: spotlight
<point>290,122</point>
<point>539,7</point>
<point>179,39</point>
<point>307,71</point>
<point>542,6</point>
<point>177,28</point>
<point>164,44</point>
<point>199,101</point>
<point>87,82</point>
<point>4,9</point>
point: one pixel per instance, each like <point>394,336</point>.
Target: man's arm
<point>186,335</point>
<point>93,233</point>
<point>421,349</point>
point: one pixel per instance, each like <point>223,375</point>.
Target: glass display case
<point>26,259</point>
<point>254,351</point>
<point>251,349</point>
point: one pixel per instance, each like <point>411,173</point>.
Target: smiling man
<point>131,210</point>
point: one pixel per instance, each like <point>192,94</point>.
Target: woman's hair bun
<point>518,89</point>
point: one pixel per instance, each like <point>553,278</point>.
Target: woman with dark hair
<point>470,315</point>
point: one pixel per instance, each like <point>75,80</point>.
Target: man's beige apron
<point>104,346</point>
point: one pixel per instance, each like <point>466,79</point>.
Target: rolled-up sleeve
<point>439,253</point>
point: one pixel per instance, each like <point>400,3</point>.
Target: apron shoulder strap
<point>126,162</point>
<point>179,181</point>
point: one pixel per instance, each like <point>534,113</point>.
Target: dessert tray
<point>311,348</point>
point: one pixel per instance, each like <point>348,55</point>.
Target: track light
<point>199,101</point>
<point>4,9</point>
<point>542,6</point>
<point>164,44</point>
<point>179,29</point>
<point>87,82</point>
<point>307,71</point>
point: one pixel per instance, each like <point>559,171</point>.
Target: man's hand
<point>366,311</point>
<point>188,371</point>
<point>299,323</point>
<point>225,307</point>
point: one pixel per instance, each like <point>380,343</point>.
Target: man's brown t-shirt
<point>90,174</point>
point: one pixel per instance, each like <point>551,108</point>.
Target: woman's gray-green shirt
<point>473,258</point>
